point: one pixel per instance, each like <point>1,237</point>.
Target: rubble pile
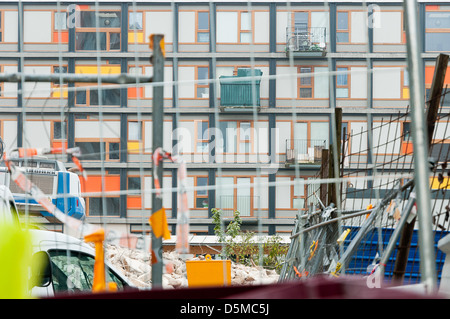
<point>136,266</point>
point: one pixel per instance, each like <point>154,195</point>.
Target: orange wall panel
<point>134,93</point>
<point>64,37</point>
<point>94,184</point>
<point>429,73</point>
<point>134,202</point>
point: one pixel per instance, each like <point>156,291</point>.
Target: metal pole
<point>158,120</point>
<point>419,134</point>
<point>393,240</point>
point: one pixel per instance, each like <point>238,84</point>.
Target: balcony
<point>242,92</point>
<point>304,151</point>
<point>302,41</point>
<point>244,204</point>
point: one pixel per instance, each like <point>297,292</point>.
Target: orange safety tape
<point>313,251</point>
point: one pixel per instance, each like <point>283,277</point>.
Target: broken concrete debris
<point>136,266</point>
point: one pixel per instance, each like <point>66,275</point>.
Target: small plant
<point>242,247</point>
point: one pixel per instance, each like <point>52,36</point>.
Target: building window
<point>405,84</point>
<point>202,84</point>
<point>60,21</point>
<point>201,196</point>
<point>102,26</point>
<point>342,32</point>
<point>298,198</point>
<point>245,32</point>
<point>90,97</point>
<point>134,137</point>
<point>59,130</point>
<point>306,90</point>
<point>59,135</point>
<point>135,21</point>
<point>342,84</point>
<point>237,137</point>
<point>134,198</point>
<point>104,206</point>
<point>245,137</point>
<point>202,137</point>
<point>92,151</point>
<point>203,26</point>
<point>1,26</point>
<point>437,30</point>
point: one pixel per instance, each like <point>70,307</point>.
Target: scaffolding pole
<point>158,121</point>
<point>420,145</point>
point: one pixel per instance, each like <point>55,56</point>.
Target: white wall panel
<point>168,77</point>
<point>358,83</point>
<point>91,129</point>
<point>389,30</point>
<point>386,83</point>
<point>186,136</point>
<point>262,27</point>
<point>261,191</point>
<point>286,85</point>
<point>186,27</point>
<point>37,26</point>
<point>37,89</point>
<point>283,133</point>
<point>37,134</point>
<point>10,88</point>
<point>261,139</point>
<point>386,138</point>
<point>186,90</point>
<point>227,24</point>
<point>264,85</point>
<point>10,134</point>
<point>359,140</point>
<point>147,194</point>
<point>282,23</point>
<point>358,28</point>
<point>190,193</point>
<point>10,33</point>
<point>283,193</point>
<point>167,196</point>
<point>321,83</point>
<point>148,136</point>
<point>159,23</point>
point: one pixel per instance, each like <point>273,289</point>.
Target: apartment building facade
<point>269,143</point>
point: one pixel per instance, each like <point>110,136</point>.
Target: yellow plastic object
<point>208,272</point>
<point>97,238</point>
<point>15,260</point>
<point>344,235</point>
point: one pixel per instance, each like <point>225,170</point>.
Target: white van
<point>68,265</point>
<point>8,208</point>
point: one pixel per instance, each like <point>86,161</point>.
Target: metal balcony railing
<point>244,204</point>
<point>303,39</point>
<point>242,90</point>
<point>304,151</point>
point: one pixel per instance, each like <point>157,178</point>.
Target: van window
<point>73,271</point>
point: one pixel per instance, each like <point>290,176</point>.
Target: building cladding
<point>204,41</point>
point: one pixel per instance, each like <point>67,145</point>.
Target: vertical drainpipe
<point>175,114</point>
<point>369,100</point>
<point>272,116</point>
<point>212,105</point>
<point>123,155</point>
<point>20,117</point>
<point>71,93</point>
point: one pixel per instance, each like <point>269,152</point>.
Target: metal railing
<point>244,204</point>
<point>304,151</point>
<point>303,39</point>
